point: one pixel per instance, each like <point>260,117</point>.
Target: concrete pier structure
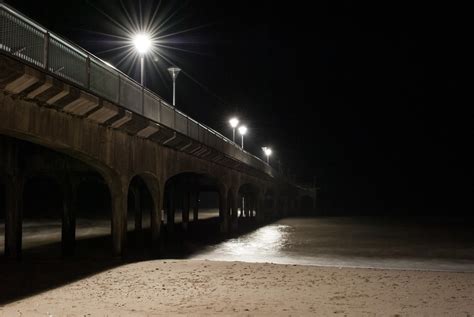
<point>112,129</point>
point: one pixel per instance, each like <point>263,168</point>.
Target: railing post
<point>143,101</point>
<point>46,51</point>
<point>88,71</point>
<point>160,112</point>
<point>119,88</point>
<point>174,119</point>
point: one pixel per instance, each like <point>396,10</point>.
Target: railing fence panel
<point>21,39</point>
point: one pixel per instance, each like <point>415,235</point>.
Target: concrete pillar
<point>249,203</point>
<point>195,201</point>
<point>259,209</point>
<point>68,228</point>
<point>185,210</point>
<point>14,216</point>
<point>253,205</point>
<point>274,212</point>
<point>155,221</point>
<point>284,206</point>
<point>234,210</point>
<point>247,206</point>
<point>119,195</point>
<point>170,212</point>
<point>223,212</point>
<point>137,210</point>
<point>292,206</point>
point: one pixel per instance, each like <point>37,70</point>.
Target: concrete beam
<point>48,83</point>
<point>135,125</point>
<point>203,151</point>
<point>170,139</point>
<point>186,146</point>
<point>149,130</point>
<point>59,95</point>
<point>120,122</point>
<point>29,78</point>
<point>106,112</point>
<point>82,105</point>
<point>193,147</point>
<point>162,135</point>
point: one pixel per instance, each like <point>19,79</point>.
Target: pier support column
<point>68,227</point>
<point>284,205</point>
<point>223,212</point>
<point>234,206</point>
<point>14,215</point>
<point>253,206</point>
<point>185,215</point>
<point>119,195</point>
<point>195,202</point>
<point>138,215</point>
<point>259,209</point>
<point>155,221</point>
<point>247,206</point>
<point>170,212</point>
<point>274,210</point>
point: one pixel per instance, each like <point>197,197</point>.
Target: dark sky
<point>364,96</point>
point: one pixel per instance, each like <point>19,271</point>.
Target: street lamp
<point>143,44</point>
<point>174,71</point>
<point>267,152</point>
<point>242,131</point>
<point>234,122</point>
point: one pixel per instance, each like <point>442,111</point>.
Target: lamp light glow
<point>142,43</point>
<point>242,130</point>
<point>234,122</point>
<point>267,152</point>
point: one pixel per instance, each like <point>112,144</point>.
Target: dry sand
<point>199,288</point>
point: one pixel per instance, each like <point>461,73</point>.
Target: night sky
<point>366,97</point>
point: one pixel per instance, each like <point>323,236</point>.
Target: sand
<point>202,288</point>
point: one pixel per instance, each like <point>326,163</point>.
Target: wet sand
<point>327,266</point>
<point>363,242</point>
<point>198,288</point>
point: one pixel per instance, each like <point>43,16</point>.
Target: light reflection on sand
<point>264,243</point>
<point>335,243</point>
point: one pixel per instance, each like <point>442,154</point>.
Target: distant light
<point>142,43</point>
<point>242,130</point>
<point>174,71</point>
<point>267,151</point>
<point>234,122</point>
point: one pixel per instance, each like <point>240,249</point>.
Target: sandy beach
<point>198,288</point>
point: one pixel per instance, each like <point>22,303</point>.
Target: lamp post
<point>143,44</point>
<point>267,152</point>
<point>234,122</point>
<point>174,71</point>
<point>242,131</point>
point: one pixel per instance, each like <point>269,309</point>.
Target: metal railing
<point>25,39</point>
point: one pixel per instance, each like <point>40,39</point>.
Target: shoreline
<point>200,287</point>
